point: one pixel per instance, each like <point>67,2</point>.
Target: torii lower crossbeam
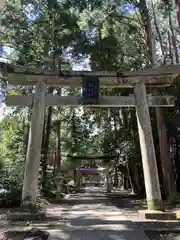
<point>105,101</point>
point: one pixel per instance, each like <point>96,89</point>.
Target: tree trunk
<point>45,147</point>
<point>58,158</point>
<point>138,176</point>
<point>58,146</point>
<point>158,34</point>
<point>26,136</point>
<point>177,164</point>
<point>58,138</point>
<point>116,178</point>
<point>167,169</point>
<point>133,174</point>
<point>74,175</point>
<point>27,126</point>
<point>170,48</point>
<point>174,41</point>
<point>178,11</point>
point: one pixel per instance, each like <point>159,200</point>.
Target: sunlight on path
<point>95,219</point>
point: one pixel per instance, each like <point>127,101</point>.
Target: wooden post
<point>151,178</point>
<point>29,193</point>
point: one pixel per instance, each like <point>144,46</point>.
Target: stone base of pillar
<point>108,188</point>
<point>23,215</point>
<point>157,215</point>
<point>58,195</point>
<point>58,180</point>
<point>155,204</point>
<point>178,215</point>
<point>78,190</point>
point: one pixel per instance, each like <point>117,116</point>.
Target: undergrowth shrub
<point>11,176</point>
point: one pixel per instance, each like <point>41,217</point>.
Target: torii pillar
<point>151,178</point>
<point>29,192</point>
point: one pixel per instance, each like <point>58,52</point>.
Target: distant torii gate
<point>93,170</point>
<point>159,77</point>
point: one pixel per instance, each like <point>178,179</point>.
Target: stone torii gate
<point>139,80</point>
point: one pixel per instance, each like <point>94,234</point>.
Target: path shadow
<point>127,201</point>
<point>82,228</point>
<point>71,202</point>
<point>172,226</point>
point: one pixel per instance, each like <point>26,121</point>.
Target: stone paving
<point>91,218</point>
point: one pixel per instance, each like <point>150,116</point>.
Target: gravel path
<point>91,216</point>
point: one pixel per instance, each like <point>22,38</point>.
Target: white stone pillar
<point>151,178</point>
<point>78,176</point>
<point>30,184</point>
<point>59,187</point>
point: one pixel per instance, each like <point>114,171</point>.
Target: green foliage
<point>12,181</point>
<point>175,198</point>
<point>11,145</point>
<point>11,159</point>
